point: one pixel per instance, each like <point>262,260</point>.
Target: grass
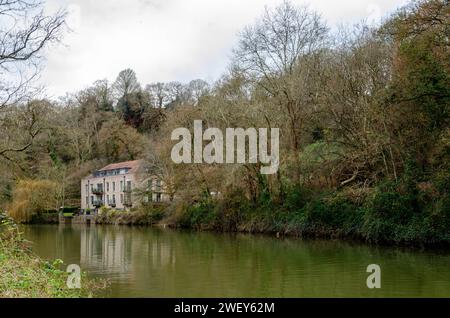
<point>24,275</point>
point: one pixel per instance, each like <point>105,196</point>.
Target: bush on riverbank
<point>393,212</point>
<point>23,274</point>
<point>49,217</point>
<point>144,215</point>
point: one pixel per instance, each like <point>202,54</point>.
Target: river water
<point>153,262</point>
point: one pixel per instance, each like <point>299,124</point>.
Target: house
<point>120,185</point>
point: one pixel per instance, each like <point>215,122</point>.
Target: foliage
<point>363,115</point>
<point>144,215</point>
<point>22,274</point>
<point>120,142</point>
<point>31,197</point>
<point>198,215</point>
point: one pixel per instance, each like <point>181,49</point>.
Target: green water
<point>148,262</point>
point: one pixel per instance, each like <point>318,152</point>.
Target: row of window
<point>113,184</point>
<point>157,197</point>
<point>123,186</point>
<point>105,173</point>
<point>108,201</point>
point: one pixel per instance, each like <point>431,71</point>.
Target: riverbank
<point>24,275</point>
<point>145,215</point>
<point>409,211</point>
<point>389,214</point>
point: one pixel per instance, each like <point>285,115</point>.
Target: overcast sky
<point>167,40</point>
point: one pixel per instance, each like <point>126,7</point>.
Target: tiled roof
<point>132,165</point>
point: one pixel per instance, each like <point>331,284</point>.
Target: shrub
<point>145,215</point>
<point>335,215</point>
<point>198,215</point>
<point>439,220</point>
<point>296,198</point>
<point>393,214</point>
<point>229,210</point>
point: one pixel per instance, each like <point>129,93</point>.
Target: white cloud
<point>164,40</point>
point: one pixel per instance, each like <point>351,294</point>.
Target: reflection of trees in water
<point>153,262</point>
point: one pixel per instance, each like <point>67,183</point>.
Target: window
<point>87,189</point>
<point>114,199</point>
<point>92,199</point>
<point>107,186</point>
<point>129,185</point>
<point>121,185</point>
<point>87,200</point>
<point>92,187</point>
<point>121,198</point>
<point>114,186</point>
<point>158,197</point>
<point>107,198</point>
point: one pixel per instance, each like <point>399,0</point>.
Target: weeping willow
<point>32,197</point>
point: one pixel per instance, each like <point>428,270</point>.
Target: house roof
<point>132,165</point>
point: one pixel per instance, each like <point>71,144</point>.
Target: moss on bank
<point>23,274</point>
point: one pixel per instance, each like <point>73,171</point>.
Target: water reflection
<point>147,262</point>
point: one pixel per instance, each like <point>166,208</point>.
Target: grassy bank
<point>23,274</point>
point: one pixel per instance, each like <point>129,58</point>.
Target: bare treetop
<point>275,43</point>
<point>24,33</point>
<point>126,83</point>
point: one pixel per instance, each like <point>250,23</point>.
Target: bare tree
<point>273,46</point>
<point>126,83</point>
<point>159,94</point>
<point>24,32</point>
<point>20,125</point>
<point>271,54</point>
<point>197,89</point>
<point>103,93</point>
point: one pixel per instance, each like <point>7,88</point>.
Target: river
<point>153,262</point>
